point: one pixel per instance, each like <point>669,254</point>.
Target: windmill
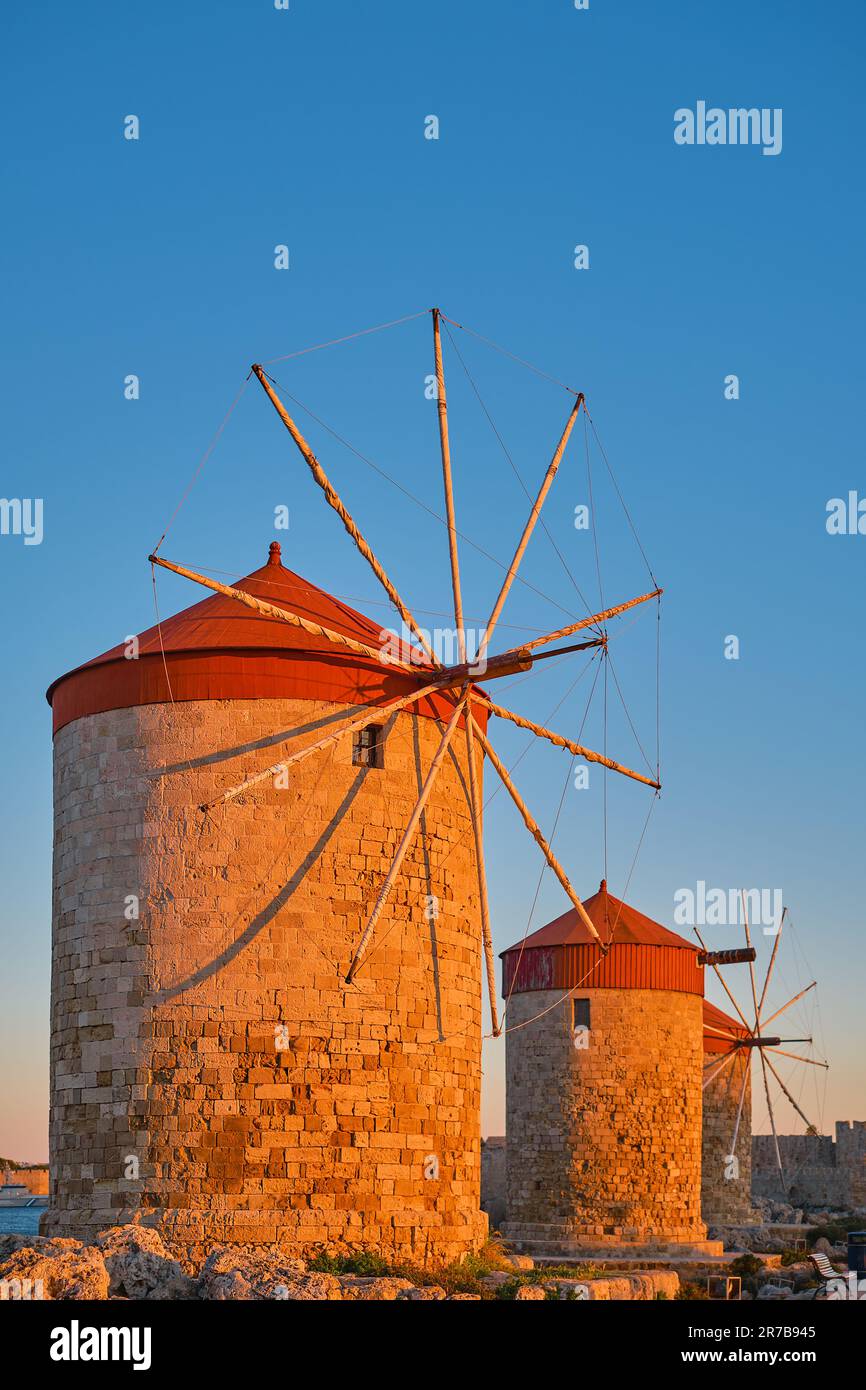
<point>456,683</point>
<point>756,1035</point>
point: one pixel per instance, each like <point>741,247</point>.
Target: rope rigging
<point>453,682</point>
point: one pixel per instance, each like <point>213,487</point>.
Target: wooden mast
<point>283,615</point>
<point>455,681</point>
<point>474,793</point>
<point>535,831</point>
<point>528,529</point>
<point>591,621</point>
<point>358,722</point>
<point>561,742</point>
<point>333,499</point>
<point>408,836</point>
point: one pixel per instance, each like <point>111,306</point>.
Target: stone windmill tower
<point>209,1062</point>
<point>603,1085</point>
<point>726,1174</point>
<point>730,1044</point>
<point>266,990</point>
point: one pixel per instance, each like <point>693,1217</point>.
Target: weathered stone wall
<point>210,1068</point>
<point>851,1158</point>
<point>726,1187</point>
<point>818,1172</point>
<point>604,1143</point>
<point>493,1176</point>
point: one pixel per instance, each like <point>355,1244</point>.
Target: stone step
<point>569,1251</point>
<point>549,1241</point>
<point>692,1264</point>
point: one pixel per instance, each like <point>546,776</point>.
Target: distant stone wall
<point>34,1179</point>
<point>818,1171</point>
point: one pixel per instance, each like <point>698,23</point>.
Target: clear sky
<point>306,128</point>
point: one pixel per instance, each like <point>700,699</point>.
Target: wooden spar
<point>477,831</point>
<point>561,742</point>
<point>333,499</point>
<point>746,1074</point>
<point>591,621</point>
<point>474,797</point>
<point>573,647</point>
<point>810,1061</point>
<point>757,1026</point>
<point>720,1032</point>
<point>761,1050</point>
<point>408,836</point>
<point>733,957</point>
<point>283,615</point>
<point>512,663</point>
<point>535,831</point>
<point>443,680</point>
<point>445,450</point>
<point>806,1121</point>
<point>772,1120</point>
<point>358,722</point>
<point>529,527</point>
<point>790,1002</point>
<point>772,960</point>
<point>748,1027</point>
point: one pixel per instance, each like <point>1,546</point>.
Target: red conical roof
<point>219,649</point>
<point>642,953</point>
<point>613,919</point>
<point>220,623</point>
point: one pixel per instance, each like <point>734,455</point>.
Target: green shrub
<point>793,1257</point>
<point>461,1276</point>
<point>689,1292</point>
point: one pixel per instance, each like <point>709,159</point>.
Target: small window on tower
<point>580,1013</point>
<point>368,746</point>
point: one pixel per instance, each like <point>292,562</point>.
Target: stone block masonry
<point>726,1173</point>
<point>818,1172</point>
<point>211,1071</point>
<point>493,1172</point>
<point>604,1141</point>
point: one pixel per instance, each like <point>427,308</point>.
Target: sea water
<point>20,1221</point>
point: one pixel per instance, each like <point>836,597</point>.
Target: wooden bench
<point>825,1271</point>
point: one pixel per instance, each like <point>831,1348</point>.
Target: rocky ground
<point>133,1262</point>
<point>772,1258</point>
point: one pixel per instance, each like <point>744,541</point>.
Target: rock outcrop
<point>139,1266</point>
<point>55,1269</point>
<point>134,1262</point>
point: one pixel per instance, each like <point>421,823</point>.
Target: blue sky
<point>306,128</point>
